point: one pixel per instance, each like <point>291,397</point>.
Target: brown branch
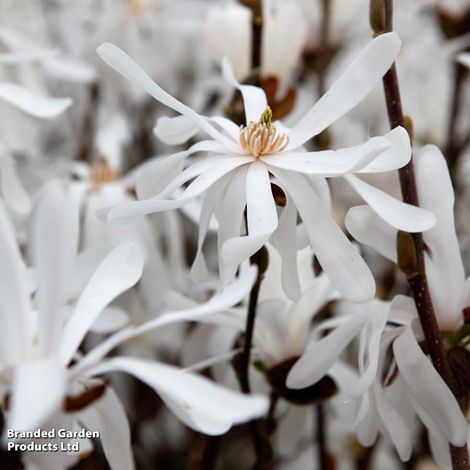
<point>321,438</point>
<point>417,280</point>
<point>453,146</point>
<point>250,325</point>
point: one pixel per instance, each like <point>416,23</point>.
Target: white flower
<point>228,31</point>
<point>417,391</point>
<point>39,355</point>
<point>380,401</point>
<point>239,174</point>
<point>444,267</point>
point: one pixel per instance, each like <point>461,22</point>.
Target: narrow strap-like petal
<point>341,262</point>
<point>119,271</point>
<point>201,404</point>
<point>108,417</point>
<point>349,89</point>
<point>398,214</point>
<point>122,63</point>
<point>428,389</point>
<point>254,98</point>
<point>36,105</point>
<point>368,228</point>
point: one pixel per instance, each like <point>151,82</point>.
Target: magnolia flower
<point>380,400</point>
<point>444,267</point>
<point>100,185</point>
<point>245,160</point>
<point>383,403</point>
<point>392,404</point>
<point>228,31</point>
<point>40,362</point>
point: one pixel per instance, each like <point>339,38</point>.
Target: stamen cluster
<point>262,138</point>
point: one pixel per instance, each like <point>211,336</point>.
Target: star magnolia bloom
<point>37,351</point>
<point>379,406</point>
<point>239,174</point>
<point>101,186</point>
<point>450,290</point>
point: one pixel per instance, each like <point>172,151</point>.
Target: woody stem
<point>418,280</point>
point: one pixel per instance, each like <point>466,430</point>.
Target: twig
<point>250,326</point>
<point>453,146</point>
<point>321,438</point>
<point>418,281</point>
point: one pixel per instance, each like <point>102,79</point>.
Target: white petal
<point>464,59</point>
<point>199,268</point>
<point>282,44</point>
<point>254,98</point>
<point>13,192</point>
<point>21,57</point>
<point>376,326</point>
<point>228,126</point>
<point>349,89</point>
<point>155,175</point>
<point>321,354</point>
<point>402,310</point>
<point>174,131</point>
<point>397,429</point>
<point>119,271</point>
<point>437,195</point>
<point>37,391</point>
<point>108,417</point>
<point>130,210</point>
<point>428,389</point>
<point>54,245</point>
<point>339,259</point>
<point>31,103</point>
<point>227,31</point>
<point>261,217</point>
<point>230,213</point>
<point>122,63</point>
<point>330,162</point>
<point>310,303</point>
<point>402,216</point>
<point>227,298</point>
<point>284,240</point>
<point>201,404</point>
<point>70,69</point>
<point>14,298</point>
<point>440,450</point>
<point>110,320</point>
<point>396,156</point>
<point>368,228</point>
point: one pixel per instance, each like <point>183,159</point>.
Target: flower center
<point>101,173</point>
<point>262,138</point>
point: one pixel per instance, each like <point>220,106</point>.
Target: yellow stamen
<point>262,138</point>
